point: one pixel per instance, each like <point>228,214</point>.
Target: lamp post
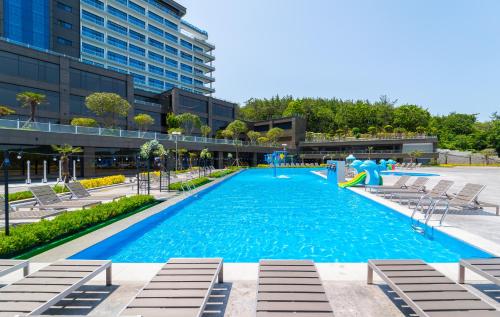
<point>176,133</point>
<point>5,165</point>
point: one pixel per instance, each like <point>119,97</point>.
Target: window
<point>169,86</point>
<point>171,25</point>
<point>77,106</point>
<point>155,17</point>
<point>137,64</point>
<point>171,62</point>
<point>137,36</point>
<point>116,69</point>
<point>155,70</point>
<point>197,49</point>
<point>92,18</point>
<point>117,43</point>
<point>155,43</point>
<point>171,38</point>
<point>65,24</point>
<point>171,75</point>
<point>134,6</point>
<point>64,7</point>
<point>117,28</point>
<point>93,82</point>
<point>136,50</point>
<point>8,94</point>
<point>117,13</point>
<point>223,111</point>
<point>63,41</point>
<point>170,49</point>
<point>137,22</point>
<point>98,36</point>
<point>190,104</point>
<point>186,80</point>
<point>198,71</point>
<point>92,50</point>
<point>155,57</point>
<point>220,125</point>
<point>88,61</point>
<point>138,79</point>
<point>187,56</point>
<point>186,44</point>
<point>95,3</point>
<point>155,30</point>
<point>186,68</point>
<point>198,60</point>
<point>198,82</point>
<point>155,83</point>
<point>112,56</point>
<point>124,2</point>
<point>283,125</point>
<point>29,68</point>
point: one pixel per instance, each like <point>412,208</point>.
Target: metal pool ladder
<point>429,212</point>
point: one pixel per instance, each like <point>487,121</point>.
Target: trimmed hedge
<point>25,237</point>
<point>223,173</point>
<point>197,182</point>
<point>87,183</point>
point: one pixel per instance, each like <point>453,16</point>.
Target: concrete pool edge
<point>454,232</point>
<point>74,246</point>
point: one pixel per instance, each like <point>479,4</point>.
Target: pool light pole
<point>5,165</point>
<point>176,133</point>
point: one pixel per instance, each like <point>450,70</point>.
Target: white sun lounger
<point>9,266</point>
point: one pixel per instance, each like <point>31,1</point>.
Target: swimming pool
<point>396,173</point>
<point>254,215</point>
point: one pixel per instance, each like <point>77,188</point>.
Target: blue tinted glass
<point>136,7</point>
<point>93,50</point>
<point>137,36</point>
<point>95,3</point>
<point>171,62</point>
<point>63,41</point>
<point>93,34</point>
<point>171,25</point>
<point>169,86</point>
<point>186,44</point>
<point>155,57</point>
<point>186,80</point>
<point>171,38</point>
<point>197,48</point>
<point>117,58</point>
<point>155,70</point>
<point>27,21</point>
<point>186,68</point>
<point>117,13</point>
<point>198,82</point>
<point>155,83</point>
<point>170,49</point>
<point>155,43</point>
<point>186,56</point>
<point>117,28</point>
<point>138,79</point>
<point>155,30</point>
<point>137,50</point>
<point>116,42</point>
<point>137,64</point>
<point>155,17</point>
<point>136,21</point>
<point>171,75</point>
<point>92,17</point>
<point>198,60</point>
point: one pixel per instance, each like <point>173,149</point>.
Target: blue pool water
<point>407,173</point>
<point>301,216</point>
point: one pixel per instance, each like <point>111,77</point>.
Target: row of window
<point>140,23</point>
<point>98,36</point>
<point>29,68</point>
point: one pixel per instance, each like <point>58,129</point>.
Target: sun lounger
<point>47,199</point>
<point>438,191</point>
<point>26,214</point>
<point>487,268</point>
<point>291,288</point>
<point>9,266</point>
<point>42,289</point>
<point>78,191</point>
<point>400,183</point>
<point>418,186</point>
<point>467,198</point>
<point>427,291</point>
<point>180,288</point>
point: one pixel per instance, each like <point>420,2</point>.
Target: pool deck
<point>345,282</point>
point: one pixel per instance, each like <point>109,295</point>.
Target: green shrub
<point>222,173</point>
<point>197,182</point>
<point>20,195</point>
<point>25,237</point>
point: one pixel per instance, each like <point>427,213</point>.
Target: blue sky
<point>444,55</point>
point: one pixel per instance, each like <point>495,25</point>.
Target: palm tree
<point>32,100</point>
<point>65,150</point>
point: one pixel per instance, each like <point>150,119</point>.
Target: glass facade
<point>148,40</point>
<point>27,21</point>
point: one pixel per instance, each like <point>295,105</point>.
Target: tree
<point>372,130</point>
<point>6,111</point>
<point>236,128</point>
<point>370,150</point>
<point>65,150</point>
<point>143,121</point>
<point>415,154</point>
<point>410,117</point>
<point>189,122</point>
<point>262,140</point>
<point>253,136</point>
<point>180,156</point>
<point>32,100</point>
<point>420,130</point>
<point>109,106</point>
<point>172,130</point>
<point>488,153</point>
<point>356,132</point>
<point>388,128</point>
<point>340,133</point>
<point>227,134</point>
<point>172,121</point>
<point>84,122</point>
<point>151,149</point>
<point>205,155</point>
<point>274,134</point>
<point>192,156</point>
<point>205,130</point>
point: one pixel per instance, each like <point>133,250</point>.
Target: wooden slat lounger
<point>427,291</point>
<point>9,266</point>
<point>26,214</point>
<point>78,191</point>
<point>180,288</point>
<point>42,289</point>
<point>487,268</point>
<point>291,288</point>
<point>48,199</point>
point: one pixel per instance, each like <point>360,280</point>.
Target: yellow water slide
<point>359,178</point>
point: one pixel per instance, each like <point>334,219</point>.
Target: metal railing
<point>70,129</point>
<point>351,152</point>
<point>323,139</point>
